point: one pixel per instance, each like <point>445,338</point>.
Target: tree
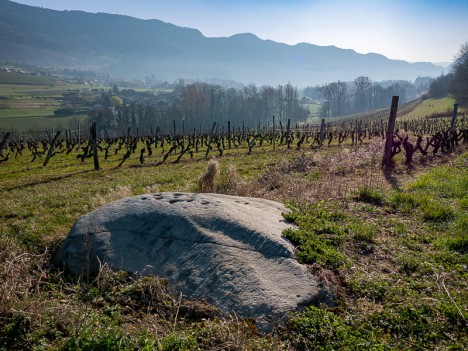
<point>460,75</point>
<point>441,86</point>
<point>116,101</point>
<point>336,96</point>
<point>361,96</point>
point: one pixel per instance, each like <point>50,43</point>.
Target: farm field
<point>28,103</point>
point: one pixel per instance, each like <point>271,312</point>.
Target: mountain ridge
<point>129,47</point>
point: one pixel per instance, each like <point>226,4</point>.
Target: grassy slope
<point>396,258</point>
<point>430,106</point>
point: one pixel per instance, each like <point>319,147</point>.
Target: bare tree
<point>460,75</point>
<point>361,95</point>
<point>336,96</point>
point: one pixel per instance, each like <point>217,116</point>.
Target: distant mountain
<point>133,48</point>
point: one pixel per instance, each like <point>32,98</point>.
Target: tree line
<point>197,106</point>
<point>342,98</point>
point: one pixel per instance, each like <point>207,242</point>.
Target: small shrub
<point>459,244</point>
<point>230,182</point>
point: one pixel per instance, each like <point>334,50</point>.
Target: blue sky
<point>411,30</point>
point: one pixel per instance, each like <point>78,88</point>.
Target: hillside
<point>129,47</point>
<point>392,246</point>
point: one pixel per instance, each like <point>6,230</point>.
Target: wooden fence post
<point>387,157</point>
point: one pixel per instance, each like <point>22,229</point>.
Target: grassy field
<point>314,110</point>
<point>431,106</point>
<point>28,103</point>
<point>391,246</point>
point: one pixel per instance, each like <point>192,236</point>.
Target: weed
<point>179,341</point>
<point>312,176</point>
<point>319,236</point>
<point>370,195</point>
<point>362,232</point>
<point>398,228</point>
<point>409,264</point>
<point>377,291</point>
<point>459,244</point>
<point>437,212</point>
<point>104,332</point>
<point>320,329</point>
<point>404,202</point>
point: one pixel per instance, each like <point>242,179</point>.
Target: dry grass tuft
<point>20,274</point>
<point>231,183</point>
<point>114,194</point>
<point>207,182</point>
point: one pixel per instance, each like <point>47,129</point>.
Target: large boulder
<point>225,250</point>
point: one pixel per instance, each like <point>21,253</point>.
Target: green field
<point>28,103</point>
<point>314,113</point>
<point>430,106</point>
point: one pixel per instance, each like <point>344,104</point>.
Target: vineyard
<point>431,135</point>
<point>389,243</point>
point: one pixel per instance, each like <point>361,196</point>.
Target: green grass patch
<point>430,106</point>
<point>321,231</point>
<point>370,195</point>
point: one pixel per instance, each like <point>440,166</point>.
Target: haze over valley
<point>129,48</point>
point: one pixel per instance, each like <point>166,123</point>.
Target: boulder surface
<point>225,250</point>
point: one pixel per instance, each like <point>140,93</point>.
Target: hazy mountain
<point>128,47</point>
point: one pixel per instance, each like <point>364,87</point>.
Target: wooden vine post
<point>4,142</point>
<point>322,131</point>
<point>453,124</point>
<point>94,142</point>
<point>387,157</point>
<point>274,134</point>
